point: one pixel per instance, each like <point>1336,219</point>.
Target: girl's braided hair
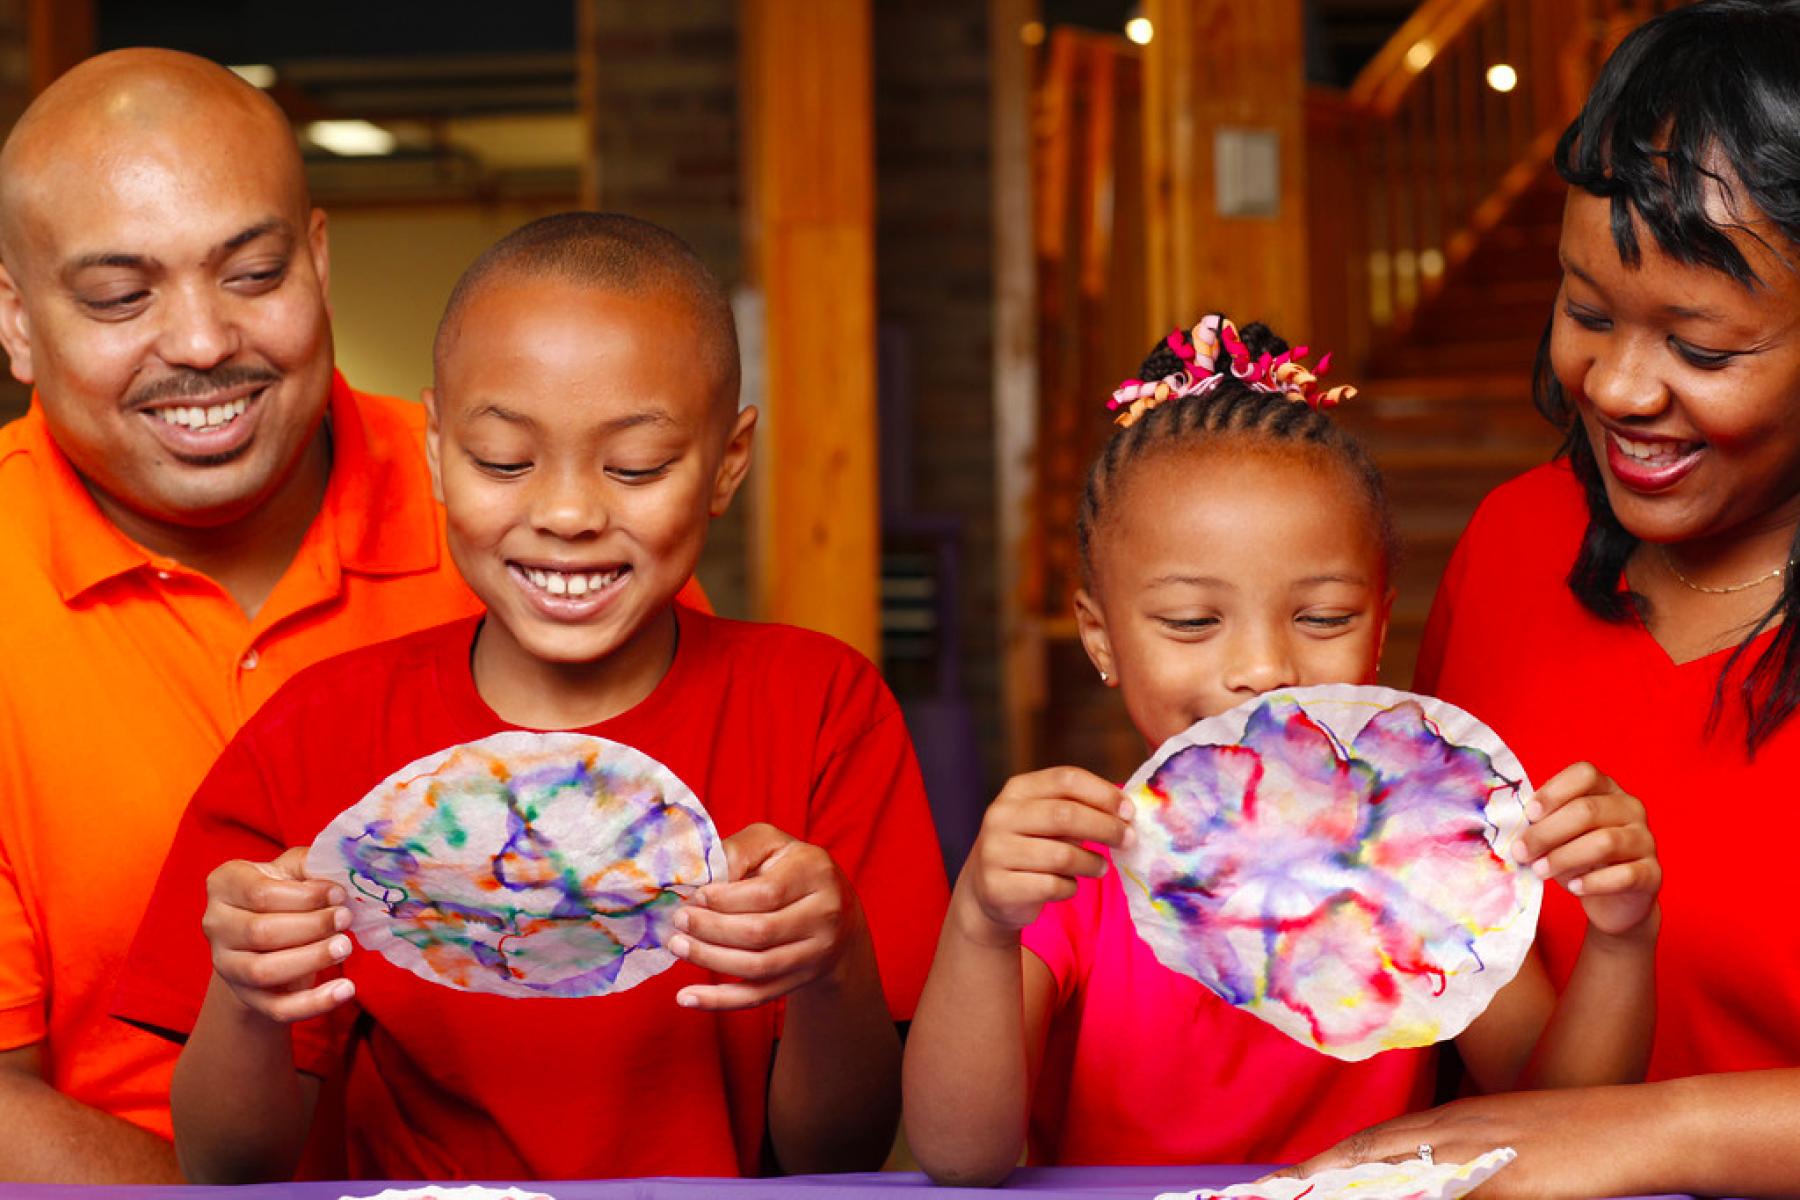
<point>1229,409</point>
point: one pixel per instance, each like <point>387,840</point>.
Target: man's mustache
<point>191,384</point>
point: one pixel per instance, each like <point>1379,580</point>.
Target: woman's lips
<point>1650,464</point>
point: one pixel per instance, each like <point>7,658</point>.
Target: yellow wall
<point>391,271</point>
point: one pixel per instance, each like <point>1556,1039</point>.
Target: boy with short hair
<point>583,431</point>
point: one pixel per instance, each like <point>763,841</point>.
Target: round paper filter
<point>1337,861</point>
<point>524,864</point>
<point>1413,1179</point>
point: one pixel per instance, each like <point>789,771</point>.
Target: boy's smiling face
<point>581,445</point>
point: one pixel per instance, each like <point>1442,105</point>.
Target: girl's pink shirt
<point>1146,1066</point>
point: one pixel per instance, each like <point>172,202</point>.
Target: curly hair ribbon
<point>1198,350</point>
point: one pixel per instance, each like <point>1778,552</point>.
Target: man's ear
<point>1090,623</point>
<point>15,329</point>
<point>428,397</point>
<point>735,463</point>
<point>318,240</point>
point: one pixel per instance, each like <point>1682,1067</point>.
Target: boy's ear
<point>15,329</point>
<point>428,398</point>
<point>735,463</point>
<point>1091,625</point>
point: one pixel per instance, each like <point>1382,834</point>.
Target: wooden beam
<point>810,241</point>
<point>1022,665</point>
<point>61,34</point>
<point>1215,65</point>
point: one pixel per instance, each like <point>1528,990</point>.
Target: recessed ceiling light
<point>353,139</point>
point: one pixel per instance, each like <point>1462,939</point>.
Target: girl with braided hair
<point>1234,540</point>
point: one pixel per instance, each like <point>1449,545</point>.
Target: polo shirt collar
<point>378,503</point>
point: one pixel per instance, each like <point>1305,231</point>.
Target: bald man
<point>195,507</point>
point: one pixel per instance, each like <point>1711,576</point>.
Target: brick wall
<point>934,281</point>
<point>668,143</point>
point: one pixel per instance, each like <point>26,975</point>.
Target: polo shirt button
<point>250,661</point>
<point>165,576</point>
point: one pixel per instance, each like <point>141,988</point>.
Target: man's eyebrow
<point>110,258</point>
<point>238,241</point>
<point>119,258</point>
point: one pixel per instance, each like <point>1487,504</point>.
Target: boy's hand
<point>1593,839</point>
<point>272,931</point>
<point>784,920</point>
<point>1030,850</point>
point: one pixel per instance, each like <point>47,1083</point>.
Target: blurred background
<point>953,226</point>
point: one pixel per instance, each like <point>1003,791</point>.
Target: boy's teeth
<point>566,583</point>
<point>209,417</point>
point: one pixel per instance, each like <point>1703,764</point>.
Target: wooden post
<point>1214,65</point>
<point>62,34</point>
<point>810,249</point>
<point>1022,665</point>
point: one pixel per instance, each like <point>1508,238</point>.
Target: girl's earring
<point>1105,678</point>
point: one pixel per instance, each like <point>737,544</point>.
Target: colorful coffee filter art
<point>1336,861</point>
<point>524,864</point>
<point>1413,1179</point>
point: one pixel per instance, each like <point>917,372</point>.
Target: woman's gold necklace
<point>1668,562</point>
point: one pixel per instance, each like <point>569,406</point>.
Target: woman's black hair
<point>1231,409</point>
<point>1699,100</point>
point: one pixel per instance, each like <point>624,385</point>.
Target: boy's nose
<point>570,509</point>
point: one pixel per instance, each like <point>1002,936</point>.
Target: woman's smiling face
<point>1687,382</point>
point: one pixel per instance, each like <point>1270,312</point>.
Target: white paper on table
<point>1413,1179</point>
<point>463,1192</point>
<point>1337,861</point>
<point>523,864</point>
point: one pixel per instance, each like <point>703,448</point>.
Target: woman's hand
<point>1575,1142</point>
<point>1593,838</point>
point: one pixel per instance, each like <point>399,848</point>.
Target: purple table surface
<point>1077,1183</point>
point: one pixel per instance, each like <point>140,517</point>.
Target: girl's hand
<point>1030,850</point>
<point>272,931</point>
<point>1593,839</point>
<point>783,921</point>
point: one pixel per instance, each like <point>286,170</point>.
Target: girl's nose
<point>1260,662</point>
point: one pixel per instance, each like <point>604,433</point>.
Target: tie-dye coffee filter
<point>523,864</point>
<point>1337,861</point>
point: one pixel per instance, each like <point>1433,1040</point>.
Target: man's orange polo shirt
<point>122,676</point>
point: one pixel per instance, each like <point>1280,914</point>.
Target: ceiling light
<point>1140,30</point>
<point>260,75</point>
<point>353,139</point>
<point>1032,33</point>
<point>1419,56</point>
<point>1502,78</point>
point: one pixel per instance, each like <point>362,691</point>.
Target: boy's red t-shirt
<point>1508,641</point>
<point>1146,1066</point>
<point>764,723</point>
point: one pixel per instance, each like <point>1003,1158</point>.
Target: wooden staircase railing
<point>1411,167</point>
